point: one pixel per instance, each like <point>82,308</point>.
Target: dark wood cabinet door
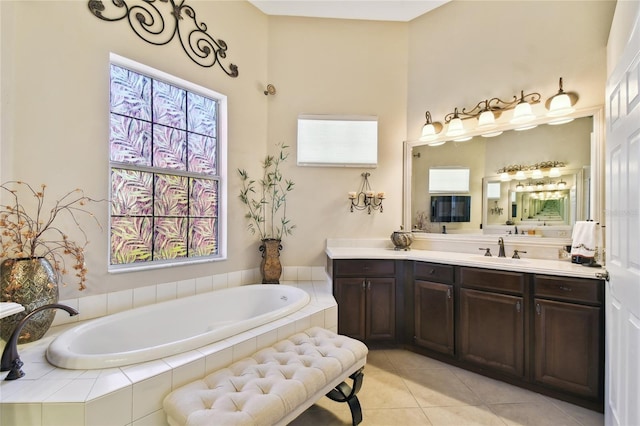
<point>434,316</point>
<point>492,330</point>
<point>350,295</point>
<point>381,312</point>
<point>567,347</point>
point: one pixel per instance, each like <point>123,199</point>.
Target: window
<point>448,180</point>
<point>167,150</point>
<point>337,140</point>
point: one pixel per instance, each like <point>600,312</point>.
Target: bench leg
<point>344,393</point>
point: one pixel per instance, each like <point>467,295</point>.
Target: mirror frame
<point>596,197</point>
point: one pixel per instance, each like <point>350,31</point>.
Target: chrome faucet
<point>501,245</point>
<point>10,359</point>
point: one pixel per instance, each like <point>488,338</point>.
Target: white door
<point>622,368</point>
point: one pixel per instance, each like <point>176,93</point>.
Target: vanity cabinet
<point>568,334</point>
<point>434,307</point>
<point>365,290</point>
<point>492,320</point>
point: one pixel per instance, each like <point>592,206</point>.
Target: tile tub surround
<point>132,395</point>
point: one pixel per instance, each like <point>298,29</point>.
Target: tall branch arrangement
<point>34,234</point>
<point>266,199</point>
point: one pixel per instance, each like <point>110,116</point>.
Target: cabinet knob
<point>449,293</point>
<point>433,271</point>
<point>538,309</point>
<point>518,306</point>
<point>565,288</point>
<point>363,285</point>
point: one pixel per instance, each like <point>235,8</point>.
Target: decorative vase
<point>31,282</point>
<point>270,267</point>
<point>402,239</point>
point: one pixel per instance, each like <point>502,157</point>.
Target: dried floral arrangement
<point>34,234</point>
<point>266,199</point>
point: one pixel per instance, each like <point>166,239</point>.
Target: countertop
<point>562,267</point>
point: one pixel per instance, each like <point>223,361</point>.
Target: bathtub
<point>172,327</point>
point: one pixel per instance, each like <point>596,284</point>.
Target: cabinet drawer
<point>570,289</point>
<point>487,279</point>
<point>364,267</point>
<point>433,272</point>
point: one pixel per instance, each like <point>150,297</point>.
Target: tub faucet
<point>10,359</point>
<point>501,246</point>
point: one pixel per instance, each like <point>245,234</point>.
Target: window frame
<point>222,168</point>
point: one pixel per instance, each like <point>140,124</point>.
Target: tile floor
<point>404,388</point>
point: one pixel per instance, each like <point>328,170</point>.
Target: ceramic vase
<point>31,282</point>
<point>270,267</point>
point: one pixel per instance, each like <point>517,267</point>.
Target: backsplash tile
<point>186,288</point>
<point>143,296</point>
<point>204,284</point>
<point>166,291</point>
<point>119,301</point>
<point>92,307</point>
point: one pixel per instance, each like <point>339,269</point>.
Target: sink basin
<point>502,260</point>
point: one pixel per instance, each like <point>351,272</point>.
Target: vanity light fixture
<point>554,172</point>
<point>536,174</point>
<point>366,198</point>
<point>561,104</point>
<point>562,184</point>
<point>523,114</point>
<point>487,122</point>
<point>430,130</point>
<point>487,112</point>
<point>455,129</point>
<point>519,187</point>
<point>533,171</point>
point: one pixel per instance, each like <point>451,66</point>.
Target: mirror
<point>554,202</point>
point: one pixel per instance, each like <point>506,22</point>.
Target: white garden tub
<point>172,327</point>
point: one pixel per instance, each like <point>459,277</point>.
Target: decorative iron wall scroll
<point>158,21</point>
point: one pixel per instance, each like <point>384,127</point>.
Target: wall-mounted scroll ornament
<point>158,21</point>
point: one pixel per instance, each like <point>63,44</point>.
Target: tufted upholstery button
<point>263,388</point>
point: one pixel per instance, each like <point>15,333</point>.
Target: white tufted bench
<point>276,384</point>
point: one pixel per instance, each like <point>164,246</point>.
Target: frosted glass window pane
<point>326,140</point>
<point>169,105</point>
<point>130,240</point>
<point>169,148</point>
<point>202,154</point>
<point>449,180</point>
<point>130,93</point>
<point>170,238</point>
<point>202,114</point>
<point>130,140</point>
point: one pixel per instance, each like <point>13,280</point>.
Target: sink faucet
<point>10,359</point>
<point>501,245</point>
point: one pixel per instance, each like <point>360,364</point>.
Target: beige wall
<point>54,87</point>
<point>330,66</point>
<point>468,51</point>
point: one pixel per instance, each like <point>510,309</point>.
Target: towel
<point>585,239</point>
